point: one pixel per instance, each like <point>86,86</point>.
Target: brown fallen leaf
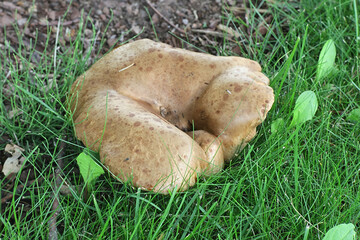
<point>6,20</point>
<point>264,26</point>
<point>229,30</point>
<point>13,163</point>
<point>14,113</point>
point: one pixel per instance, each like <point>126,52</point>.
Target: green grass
<point>277,187</point>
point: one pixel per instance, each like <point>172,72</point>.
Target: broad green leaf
<point>89,169</point>
<point>354,115</point>
<point>91,153</point>
<point>341,232</point>
<point>277,125</point>
<point>326,59</point>
<point>305,108</point>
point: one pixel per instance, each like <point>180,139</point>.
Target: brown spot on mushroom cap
<point>141,141</point>
<point>237,88</point>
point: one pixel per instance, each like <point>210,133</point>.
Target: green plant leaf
<point>89,169</point>
<point>326,59</point>
<point>91,153</point>
<point>341,232</point>
<point>354,115</point>
<point>305,108</point>
<point>277,125</point>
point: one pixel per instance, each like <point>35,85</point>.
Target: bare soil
<point>201,23</point>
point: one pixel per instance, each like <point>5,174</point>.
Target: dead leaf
<point>70,34</point>
<point>13,163</point>
<point>32,9</point>
<point>135,28</point>
<point>10,6</point>
<point>264,25</point>
<point>44,21</point>
<point>6,20</point>
<point>52,15</point>
<point>112,40</point>
<point>14,113</point>
<point>229,30</point>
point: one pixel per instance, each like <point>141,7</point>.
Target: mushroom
<point>161,116</point>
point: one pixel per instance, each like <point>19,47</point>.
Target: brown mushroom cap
<point>137,104</point>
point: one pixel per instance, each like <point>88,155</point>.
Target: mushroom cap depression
<point>162,116</point>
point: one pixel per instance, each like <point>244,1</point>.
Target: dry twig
<point>163,17</point>
<point>55,23</point>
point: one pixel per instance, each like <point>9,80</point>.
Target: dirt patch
<point>203,24</point>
